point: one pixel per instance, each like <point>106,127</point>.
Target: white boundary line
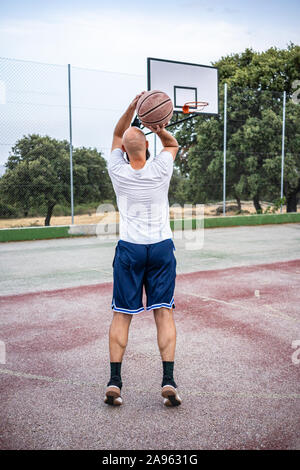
<point>47,379</point>
<point>243,307</point>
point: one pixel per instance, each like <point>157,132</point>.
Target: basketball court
<point>237,314</point>
<point>238,332</point>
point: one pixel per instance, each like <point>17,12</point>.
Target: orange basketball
<point>154,108</point>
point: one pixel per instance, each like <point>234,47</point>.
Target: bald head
<point>134,142</point>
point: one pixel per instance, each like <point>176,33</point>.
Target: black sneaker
<point>170,395</point>
<point>113,392</point>
<point>169,392</point>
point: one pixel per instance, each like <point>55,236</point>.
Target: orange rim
<point>195,105</point>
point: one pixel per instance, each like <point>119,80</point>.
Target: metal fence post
<point>71,146</point>
<point>282,146</point>
<point>224,149</point>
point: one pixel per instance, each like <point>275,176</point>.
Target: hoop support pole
<point>282,148</point>
<point>224,149</point>
<point>71,144</point>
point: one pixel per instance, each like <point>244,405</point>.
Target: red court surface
<point>236,368</point>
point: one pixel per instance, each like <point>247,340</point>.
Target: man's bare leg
<point>166,339</point>
<point>166,333</point>
<point>118,338</point>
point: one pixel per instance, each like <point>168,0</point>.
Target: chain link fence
<point>35,177</point>
<point>35,184</point>
<point>262,149</point>
<point>254,147</point>
<point>246,160</point>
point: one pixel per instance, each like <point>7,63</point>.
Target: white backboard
<point>185,82</point>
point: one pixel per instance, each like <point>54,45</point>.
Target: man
<point>145,252</point>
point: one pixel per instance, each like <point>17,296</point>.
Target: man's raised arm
<point>169,142</point>
<point>124,123</point>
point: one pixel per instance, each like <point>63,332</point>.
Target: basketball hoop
<point>199,105</point>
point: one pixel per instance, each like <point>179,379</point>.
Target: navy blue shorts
<point>136,266</point>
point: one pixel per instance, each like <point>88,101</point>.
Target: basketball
<point>154,108</point>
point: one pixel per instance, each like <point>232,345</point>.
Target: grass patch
<point>40,233</point>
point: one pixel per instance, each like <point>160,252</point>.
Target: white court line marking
<point>206,299</point>
<point>282,315</point>
<point>243,307</point>
<point>212,394</point>
<point>47,379</point>
<point>248,395</point>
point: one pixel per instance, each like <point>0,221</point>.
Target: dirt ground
<point>210,210</point>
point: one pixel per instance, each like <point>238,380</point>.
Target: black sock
<point>115,374</point>
<point>168,378</point>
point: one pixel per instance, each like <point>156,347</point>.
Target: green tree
<point>38,175</point>
<point>255,86</point>
<point>90,175</point>
<point>178,191</point>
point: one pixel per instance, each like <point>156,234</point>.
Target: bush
<point>276,206</point>
<point>61,210</point>
<point>233,208</point>
<point>7,210</point>
<point>88,208</point>
<point>79,209</point>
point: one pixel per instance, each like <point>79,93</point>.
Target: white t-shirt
<point>142,197</point>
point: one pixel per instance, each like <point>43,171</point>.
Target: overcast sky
<point>119,35</point>
<point>115,36</point>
